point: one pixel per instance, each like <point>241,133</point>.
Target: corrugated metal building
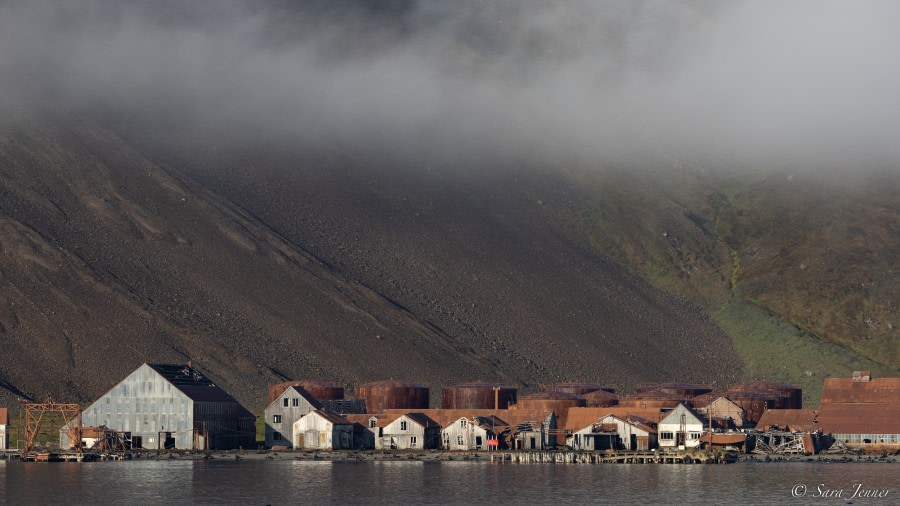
<point>861,410</point>
<point>162,406</point>
<point>290,404</point>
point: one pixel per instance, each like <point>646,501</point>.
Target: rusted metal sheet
<point>652,399</point>
<point>789,419</point>
<point>391,394</point>
<point>846,390</point>
<point>872,418</point>
<point>4,416</point>
<point>559,402</point>
<point>321,390</point>
<point>685,390</point>
<point>755,402</point>
<point>601,398</point>
<point>576,388</point>
<point>479,396</point>
<point>793,394</point>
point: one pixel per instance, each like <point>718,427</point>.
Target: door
<point>533,443</point>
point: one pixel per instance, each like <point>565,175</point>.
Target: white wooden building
<point>4,428</point>
<point>475,433</point>
<point>411,431</point>
<point>635,433</point>
<point>286,409</point>
<point>681,427</point>
<point>320,430</point>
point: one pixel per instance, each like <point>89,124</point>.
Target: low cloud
<point>809,83</point>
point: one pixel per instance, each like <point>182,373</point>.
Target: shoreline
<point>512,457</point>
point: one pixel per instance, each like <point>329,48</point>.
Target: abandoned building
<point>321,430</point>
<point>861,410</point>
<point>170,406</point>
<point>292,403</point>
<point>475,433</point>
<point>4,427</point>
<point>681,427</point>
<point>411,431</point>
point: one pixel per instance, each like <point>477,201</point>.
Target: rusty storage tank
<point>686,390</point>
<point>754,403</point>
<point>557,401</point>
<point>703,400</point>
<point>391,394</point>
<point>576,388</point>
<point>600,399</point>
<point>321,390</point>
<point>653,399</point>
<point>478,396</point>
<point>793,393</point>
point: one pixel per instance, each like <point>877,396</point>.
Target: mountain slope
<point>110,259</point>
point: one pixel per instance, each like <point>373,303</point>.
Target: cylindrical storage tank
<point>754,403</point>
<point>391,394</point>
<point>321,390</point>
<point>478,396</point>
<point>793,393</point>
<point>576,388</point>
<point>653,400</point>
<point>559,402</point>
<point>600,399</point>
<point>703,400</point>
<point>686,390</point>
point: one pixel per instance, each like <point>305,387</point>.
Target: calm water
<point>293,482</point>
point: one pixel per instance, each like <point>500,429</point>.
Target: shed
<point>320,430</point>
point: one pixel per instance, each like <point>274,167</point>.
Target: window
<point>666,435</point>
<point>286,401</point>
<point>412,440</point>
<point>373,422</point>
<point>276,419</point>
<point>695,435</point>
<point>460,441</point>
<point>277,436</point>
<point>463,423</point>
<point>296,402</point>
<point>403,424</point>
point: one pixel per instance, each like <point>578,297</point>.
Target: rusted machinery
<point>478,396</point>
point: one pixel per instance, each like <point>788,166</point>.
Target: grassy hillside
<point>801,270</point>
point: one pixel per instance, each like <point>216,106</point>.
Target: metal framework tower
<point>37,413</point>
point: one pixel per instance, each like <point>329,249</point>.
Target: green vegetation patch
<point>775,350</point>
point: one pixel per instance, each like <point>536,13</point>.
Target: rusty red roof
<point>790,419</point>
<point>860,418</point>
<point>846,390</point>
<point>4,416</point>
